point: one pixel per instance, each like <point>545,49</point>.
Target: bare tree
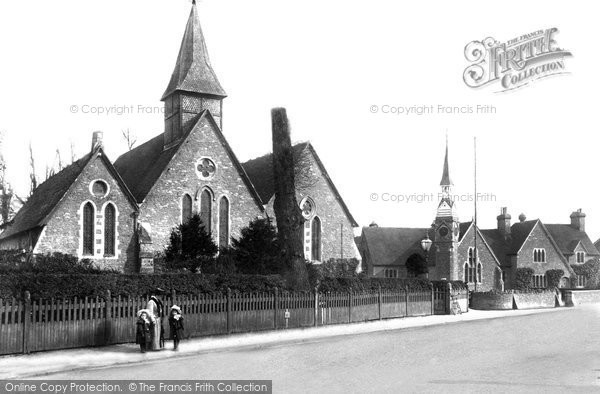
<point>6,193</point>
<point>129,137</point>
<point>290,221</point>
<point>32,176</point>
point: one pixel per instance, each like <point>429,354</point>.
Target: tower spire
<point>446,180</point>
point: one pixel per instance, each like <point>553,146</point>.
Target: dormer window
<point>539,255</point>
<point>580,257</point>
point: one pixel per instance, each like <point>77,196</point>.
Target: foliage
<point>257,250</point>
<point>523,278</point>
<point>362,282</point>
<point>553,277</point>
<point>332,268</point>
<point>416,265</point>
<point>223,264</point>
<point>190,247</point>
<point>55,263</point>
<point>591,270</point>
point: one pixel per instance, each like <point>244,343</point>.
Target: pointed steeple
<point>193,72</point>
<point>446,181</point>
<point>193,87</point>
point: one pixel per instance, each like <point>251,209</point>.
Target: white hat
<point>175,307</point>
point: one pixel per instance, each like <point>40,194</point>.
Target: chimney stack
<point>97,140</point>
<point>522,217</point>
<point>504,222</point>
<point>578,220</point>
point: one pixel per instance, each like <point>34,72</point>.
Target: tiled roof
<point>567,238</point>
<point>519,233</point>
<point>44,198</point>
<point>497,242</point>
<point>142,166</point>
<point>193,72</point>
<point>391,245</point>
<point>260,171</point>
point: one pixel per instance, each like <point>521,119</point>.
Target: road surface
<point>557,352</point>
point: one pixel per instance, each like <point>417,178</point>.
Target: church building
<point>120,215</point>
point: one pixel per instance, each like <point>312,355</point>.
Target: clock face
<point>443,231</point>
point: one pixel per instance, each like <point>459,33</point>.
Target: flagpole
<point>475,209</point>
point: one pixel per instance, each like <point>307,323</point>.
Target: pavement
<point>51,362</point>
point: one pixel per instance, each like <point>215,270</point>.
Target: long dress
<point>155,309</point>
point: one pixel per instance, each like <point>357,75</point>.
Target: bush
<point>190,247</point>
<point>523,278</point>
<point>257,250</point>
<point>55,263</point>
<point>553,277</point>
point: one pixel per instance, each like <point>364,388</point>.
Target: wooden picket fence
<point>30,326</point>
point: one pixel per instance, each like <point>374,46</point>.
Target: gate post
<point>228,310</point>
<point>316,292</point>
<point>379,300</point>
<point>449,298</point>
<point>275,307</point>
<point>26,321</point>
<point>107,317</point>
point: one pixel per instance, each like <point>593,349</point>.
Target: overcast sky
<point>328,63</point>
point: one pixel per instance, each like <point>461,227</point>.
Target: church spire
<point>193,72</point>
<point>193,88</point>
<point>446,181</point>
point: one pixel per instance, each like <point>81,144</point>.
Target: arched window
<point>109,230</point>
<point>206,210</point>
<point>186,208</point>
<point>223,222</point>
<point>467,271</point>
<point>88,229</point>
<point>479,273</point>
<point>316,239</point>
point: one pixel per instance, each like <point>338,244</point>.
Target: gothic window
<point>186,208</point>
<point>581,280</point>
<point>109,230</point>
<point>88,229</point>
<point>316,239</point>
<point>539,255</point>
<point>206,210</point>
<point>539,281</point>
<point>205,168</point>
<point>391,273</point>
<point>479,273</point>
<point>467,270</point>
<point>580,257</point>
<point>223,222</point>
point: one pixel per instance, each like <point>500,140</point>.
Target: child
<point>144,331</point>
<point>176,325</point>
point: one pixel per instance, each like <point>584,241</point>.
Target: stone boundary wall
<point>491,301</point>
<point>577,297</point>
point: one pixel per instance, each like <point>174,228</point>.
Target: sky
<point>339,68</point>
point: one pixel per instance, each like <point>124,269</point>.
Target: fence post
<point>316,306</point>
<point>228,310</point>
<point>406,298</point>
<point>449,299</point>
<point>107,317</point>
<point>379,301</point>
<point>275,307</point>
<point>26,322</point>
<point>432,300</point>
<point>350,306</point>
<point>467,299</point>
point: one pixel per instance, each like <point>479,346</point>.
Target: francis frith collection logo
<point>516,62</point>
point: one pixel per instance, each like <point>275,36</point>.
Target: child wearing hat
<point>176,325</point>
<point>144,330</point>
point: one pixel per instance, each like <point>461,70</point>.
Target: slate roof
<point>519,233</point>
<point>193,72</point>
<point>567,238</point>
<point>260,171</point>
<point>142,166</point>
<point>499,245</point>
<point>38,208</point>
<point>393,245</point>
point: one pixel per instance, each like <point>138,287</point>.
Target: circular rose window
<point>99,188</point>
<point>308,207</point>
<point>205,168</point>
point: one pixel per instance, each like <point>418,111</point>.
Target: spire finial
<point>446,181</point>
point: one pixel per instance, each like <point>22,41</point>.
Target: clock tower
<point>446,229</point>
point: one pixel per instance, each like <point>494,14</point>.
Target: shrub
<point>190,247</point>
<point>416,265</point>
<point>523,278</point>
<point>553,277</point>
<point>257,250</point>
<point>591,270</point>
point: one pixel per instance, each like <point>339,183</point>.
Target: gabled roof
<point>193,72</point>
<point>46,197</point>
<point>497,242</point>
<point>142,166</point>
<point>392,245</point>
<point>519,233</point>
<point>260,171</point>
<point>567,238</point>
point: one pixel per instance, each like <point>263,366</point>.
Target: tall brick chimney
<point>578,220</point>
<point>97,140</point>
<point>504,222</point>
